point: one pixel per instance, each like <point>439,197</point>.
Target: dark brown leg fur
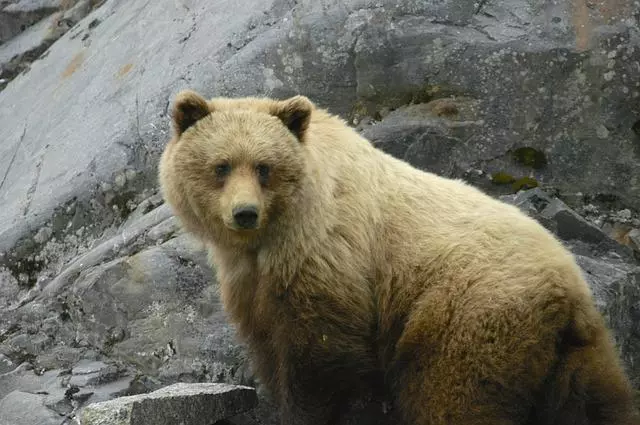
<point>588,387</point>
<point>316,390</point>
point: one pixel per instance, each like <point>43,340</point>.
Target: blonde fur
<point>366,272</point>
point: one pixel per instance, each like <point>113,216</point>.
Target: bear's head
<point>234,165</point>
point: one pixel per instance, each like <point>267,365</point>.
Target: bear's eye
<point>263,173</point>
<point>223,169</point>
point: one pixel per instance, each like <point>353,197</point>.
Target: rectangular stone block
<point>177,404</point>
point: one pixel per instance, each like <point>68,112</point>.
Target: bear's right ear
<point>188,108</point>
<point>295,113</point>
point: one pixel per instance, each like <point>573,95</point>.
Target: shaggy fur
<point>363,270</point>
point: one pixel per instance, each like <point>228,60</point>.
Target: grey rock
<point>103,162</point>
<point>21,408</point>
<point>121,387</point>
<point>196,404</point>
<point>123,243</point>
<point>6,365</point>
<point>155,308</point>
<point>616,287</point>
<point>59,401</point>
<point>564,222</point>
<point>571,226</point>
<point>25,345</point>
<point>87,367</point>
<point>78,11</point>
<point>634,239</point>
<point>10,289</point>
<point>143,208</point>
<point>16,17</point>
<point>23,378</point>
<point>419,136</point>
<point>20,51</point>
<point>93,373</point>
<point>61,355</point>
<point>163,231</point>
<point>96,382</point>
<point>22,6</point>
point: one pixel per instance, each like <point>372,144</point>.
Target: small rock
<point>60,356</point>
<point>85,380</point>
<point>130,174</point>
<point>556,216</point>
<point>43,235</point>
<point>602,132</point>
<point>20,408</point>
<point>193,404</point>
<point>122,387</point>
<point>121,180</point>
<point>571,225</point>
<point>92,373</point>
<point>26,345</point>
<point>82,396</point>
<point>58,401</point>
<point>6,365</point>
<point>624,214</point>
<point>23,378</point>
<point>163,230</point>
<point>86,367</point>
<point>634,239</point>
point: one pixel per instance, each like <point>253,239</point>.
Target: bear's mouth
<point>241,229</point>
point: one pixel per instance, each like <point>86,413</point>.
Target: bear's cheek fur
<point>203,203</point>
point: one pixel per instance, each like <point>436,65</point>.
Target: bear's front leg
<point>316,381</point>
<point>302,408</point>
<point>309,395</point>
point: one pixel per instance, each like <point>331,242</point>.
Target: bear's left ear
<point>188,108</point>
<point>295,113</point>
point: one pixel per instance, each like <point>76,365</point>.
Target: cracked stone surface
<point>102,295</point>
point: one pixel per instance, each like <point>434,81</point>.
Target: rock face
<point>101,294</point>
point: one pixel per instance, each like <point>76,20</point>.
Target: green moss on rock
<point>524,183</point>
<point>502,178</point>
<point>530,157</point>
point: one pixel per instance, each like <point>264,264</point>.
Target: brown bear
<point>346,269</point>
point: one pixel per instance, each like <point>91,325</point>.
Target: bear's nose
<point>246,216</point>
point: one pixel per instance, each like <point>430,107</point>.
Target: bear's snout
<point>246,216</point>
